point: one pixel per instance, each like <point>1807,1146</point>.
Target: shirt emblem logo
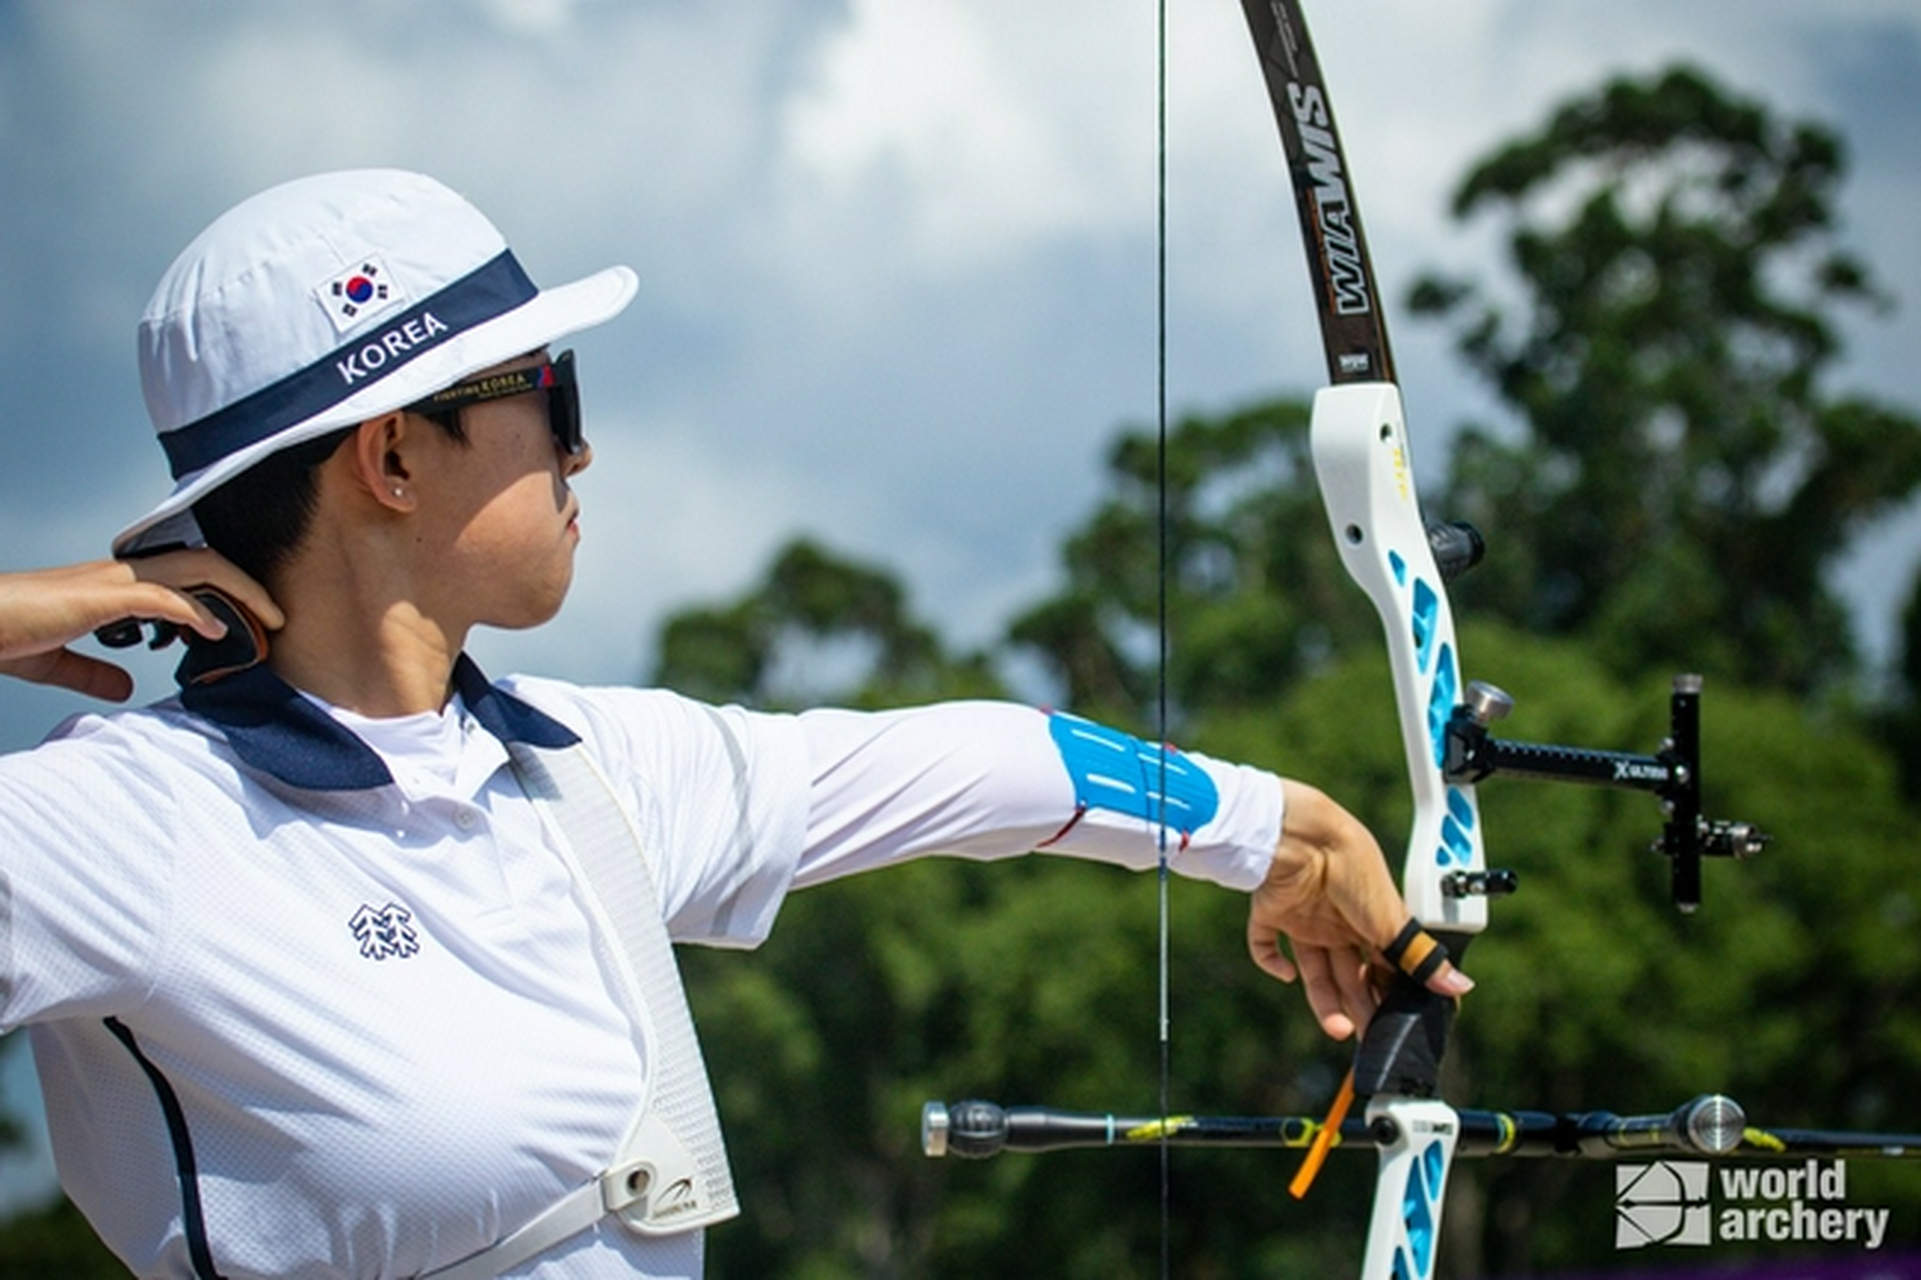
<point>385,931</point>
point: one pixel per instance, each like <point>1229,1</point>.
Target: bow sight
<point>1673,774</point>
<point>1470,754</point>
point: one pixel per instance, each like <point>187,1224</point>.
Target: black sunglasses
<point>555,378</point>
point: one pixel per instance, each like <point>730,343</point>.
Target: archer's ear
<point>380,455</point>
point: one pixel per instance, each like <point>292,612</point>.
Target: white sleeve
<point>719,798</point>
<point>994,780</point>
<point>742,806</point>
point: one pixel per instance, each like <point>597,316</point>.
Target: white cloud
<point>897,257</point>
<point>971,130</point>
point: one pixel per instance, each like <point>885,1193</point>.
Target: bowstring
<point>1161,628</point>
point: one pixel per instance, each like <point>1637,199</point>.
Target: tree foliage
<point>1254,591</point>
<point>1685,477</point>
<point>1794,989</point>
<point>817,627</point>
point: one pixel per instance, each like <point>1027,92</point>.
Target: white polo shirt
<point>311,996</point>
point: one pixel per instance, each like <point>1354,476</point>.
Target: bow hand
<point>1330,892</point>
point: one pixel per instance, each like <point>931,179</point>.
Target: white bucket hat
<point>322,303</point>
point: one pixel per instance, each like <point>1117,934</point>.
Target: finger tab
<point>1416,952</point>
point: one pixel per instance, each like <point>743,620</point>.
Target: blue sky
<point>897,256</point>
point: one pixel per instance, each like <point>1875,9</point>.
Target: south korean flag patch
<point>359,293</point>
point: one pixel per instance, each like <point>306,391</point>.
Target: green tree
<point>1684,478</point>
<point>1256,597</point>
<point>1900,719</point>
<point>816,628</point>
<point>1790,989</point>
<point>55,1243</point>
<point>1794,989</point>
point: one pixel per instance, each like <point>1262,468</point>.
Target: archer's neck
<point>360,636</point>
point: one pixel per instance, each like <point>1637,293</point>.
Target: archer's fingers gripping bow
<point>1361,462</point>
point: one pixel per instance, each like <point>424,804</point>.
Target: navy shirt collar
<point>276,730</point>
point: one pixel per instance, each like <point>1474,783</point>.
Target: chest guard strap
<point>670,1174</point>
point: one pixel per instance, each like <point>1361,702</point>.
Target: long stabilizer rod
<point>1712,1126</point>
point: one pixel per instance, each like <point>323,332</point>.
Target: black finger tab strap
<point>244,645</point>
<point>1416,952</point>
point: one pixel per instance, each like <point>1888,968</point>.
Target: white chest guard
<point>670,1173</point>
